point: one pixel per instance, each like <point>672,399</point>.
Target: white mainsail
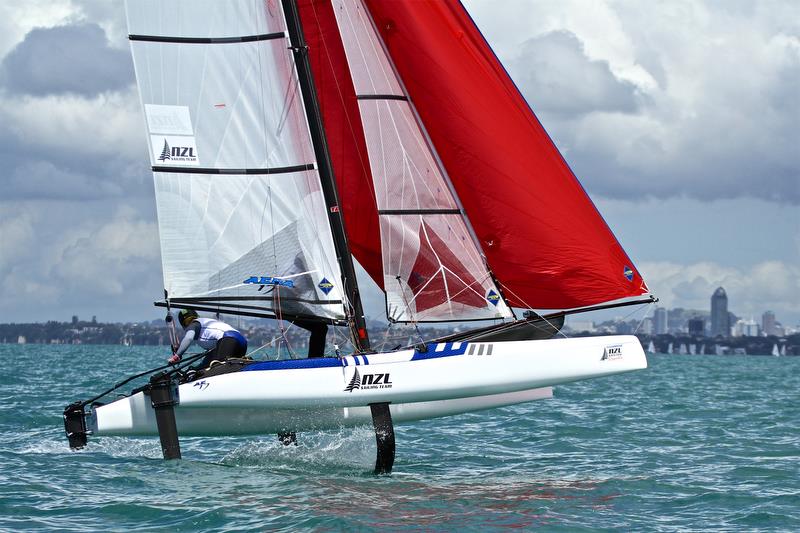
<point>433,270</point>
<point>242,217</point>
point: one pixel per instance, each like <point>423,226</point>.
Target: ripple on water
<point>689,444</point>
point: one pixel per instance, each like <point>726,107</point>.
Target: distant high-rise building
<point>660,320</point>
<point>746,328</point>
<point>768,324</point>
<point>697,326</point>
<point>720,323</point>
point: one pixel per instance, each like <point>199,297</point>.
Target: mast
<point>357,322</point>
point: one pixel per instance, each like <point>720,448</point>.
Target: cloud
<point>770,285</point>
<point>82,263</point>
<point>70,147</point>
<point>73,59</point>
<point>684,99</point>
<point>564,81</point>
<point>16,234</point>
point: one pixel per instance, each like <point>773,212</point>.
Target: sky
<point>680,118</point>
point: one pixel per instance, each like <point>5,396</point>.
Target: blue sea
<point>694,443</point>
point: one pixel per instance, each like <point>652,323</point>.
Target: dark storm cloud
<point>555,76</point>
<point>73,59</point>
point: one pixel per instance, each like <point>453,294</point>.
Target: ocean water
<point>693,443</point>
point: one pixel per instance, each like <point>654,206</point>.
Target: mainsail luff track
<point>306,79</point>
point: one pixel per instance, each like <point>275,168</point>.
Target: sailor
<point>220,339</point>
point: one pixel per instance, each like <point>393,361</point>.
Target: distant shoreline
<point>155,333</point>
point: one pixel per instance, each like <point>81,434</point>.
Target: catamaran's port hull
<point>448,379</point>
<point>257,421</point>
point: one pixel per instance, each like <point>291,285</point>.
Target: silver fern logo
<point>165,152</point>
<point>355,383</point>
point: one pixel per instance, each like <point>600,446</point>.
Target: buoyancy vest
<point>211,331</point>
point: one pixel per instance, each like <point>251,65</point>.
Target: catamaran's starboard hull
<point>324,393</point>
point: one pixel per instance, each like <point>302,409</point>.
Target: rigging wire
<point>644,316</point>
<point>517,324</point>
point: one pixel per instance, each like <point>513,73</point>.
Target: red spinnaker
<point>438,285</point>
<point>546,243</point>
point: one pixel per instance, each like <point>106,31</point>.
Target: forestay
<point>432,268</point>
<point>242,217</point>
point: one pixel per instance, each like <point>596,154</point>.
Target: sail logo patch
<point>493,297</point>
<point>628,271</point>
<point>268,280</point>
<point>610,353</point>
<point>325,286</point>
<point>369,381</point>
<point>174,150</point>
<point>168,119</point>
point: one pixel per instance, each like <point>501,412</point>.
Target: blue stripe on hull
<point>290,364</point>
<point>450,349</point>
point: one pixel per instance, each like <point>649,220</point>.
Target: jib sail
<point>243,221</point>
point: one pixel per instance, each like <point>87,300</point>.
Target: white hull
<point>451,378</point>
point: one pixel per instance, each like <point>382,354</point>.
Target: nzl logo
<point>177,153</point>
<point>202,385</point>
<point>369,381</point>
<point>612,352</point>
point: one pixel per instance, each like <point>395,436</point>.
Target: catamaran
<point>289,139</point>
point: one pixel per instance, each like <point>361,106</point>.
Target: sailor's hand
<point>174,360</point>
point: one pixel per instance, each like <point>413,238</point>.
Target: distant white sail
<point>242,218</point>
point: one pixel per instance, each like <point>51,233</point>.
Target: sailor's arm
<point>192,332</point>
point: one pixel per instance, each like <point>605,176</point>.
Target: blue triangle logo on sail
<point>325,286</point>
<point>628,271</point>
<point>493,297</point>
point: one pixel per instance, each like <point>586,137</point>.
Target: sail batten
<point>273,170</point>
<point>207,40</point>
<point>420,212</point>
<point>400,97</point>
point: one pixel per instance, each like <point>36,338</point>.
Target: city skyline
<point>691,159</point>
<point>718,320</point>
